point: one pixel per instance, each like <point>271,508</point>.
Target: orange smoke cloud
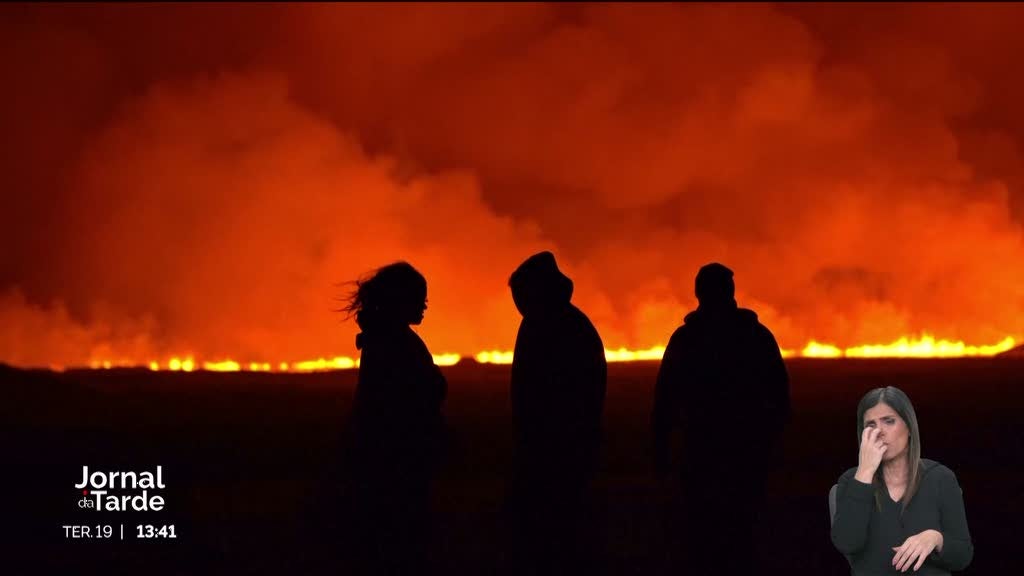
<point>211,185</point>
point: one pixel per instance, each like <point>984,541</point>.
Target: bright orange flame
<point>623,355</point>
<point>337,363</point>
<point>818,350</point>
<point>924,347</point>
<point>494,357</point>
<point>446,359</point>
<point>177,364</point>
<point>222,366</point>
<point>927,347</point>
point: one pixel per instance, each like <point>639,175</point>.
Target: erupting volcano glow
<point>190,197</point>
<point>925,347</point>
<point>223,366</point>
<point>928,347</point>
<point>494,357</point>
<point>623,355</point>
<point>818,350</point>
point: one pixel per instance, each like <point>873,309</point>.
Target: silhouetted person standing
<point>559,376</point>
<point>723,382</point>
<point>397,424</point>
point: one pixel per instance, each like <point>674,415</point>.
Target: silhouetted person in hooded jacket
<point>723,382</point>
<point>559,377</point>
<point>397,426</point>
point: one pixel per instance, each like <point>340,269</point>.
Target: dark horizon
<point>241,453</point>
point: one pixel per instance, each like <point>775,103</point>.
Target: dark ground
<point>247,460</point>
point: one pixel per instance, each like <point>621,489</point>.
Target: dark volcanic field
<point>247,461</point>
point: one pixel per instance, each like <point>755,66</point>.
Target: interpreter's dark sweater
<point>867,534</point>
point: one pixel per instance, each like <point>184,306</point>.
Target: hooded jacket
<point>722,370</point>
<point>559,372</point>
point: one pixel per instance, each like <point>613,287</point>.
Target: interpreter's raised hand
<point>917,547</point>
<point>871,451</point>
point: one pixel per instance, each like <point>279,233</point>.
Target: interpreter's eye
<point>890,420</point>
<point>870,425</point>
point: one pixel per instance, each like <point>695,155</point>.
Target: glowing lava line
<point>924,347</point>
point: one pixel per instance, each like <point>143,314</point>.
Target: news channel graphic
<point>114,496</point>
<point>99,500</point>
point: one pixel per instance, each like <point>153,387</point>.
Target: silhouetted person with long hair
<point>723,382</point>
<point>559,377</point>
<point>397,423</point>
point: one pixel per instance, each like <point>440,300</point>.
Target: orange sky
<point>197,179</point>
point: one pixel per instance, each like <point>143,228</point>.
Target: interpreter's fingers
<point>910,559</point>
<point>901,553</point>
<point>901,566</point>
<point>902,559</point>
<point>920,562</point>
<point>905,560</point>
<point>897,556</point>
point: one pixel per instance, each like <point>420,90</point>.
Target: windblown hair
<point>900,403</point>
<point>383,292</point>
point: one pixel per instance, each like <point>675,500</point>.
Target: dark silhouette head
<point>538,285</point>
<point>394,295</point>
<point>714,286</point>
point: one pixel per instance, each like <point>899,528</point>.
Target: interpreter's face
<point>892,430</point>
